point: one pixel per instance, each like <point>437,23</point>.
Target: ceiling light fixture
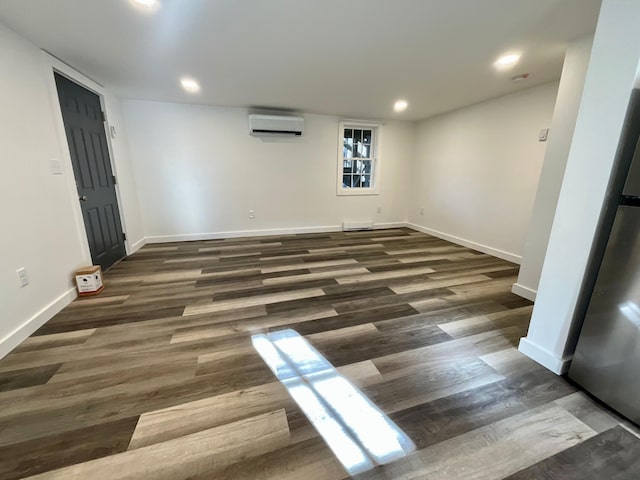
<point>146,5</point>
<point>507,61</point>
<point>190,85</point>
<point>400,105</point>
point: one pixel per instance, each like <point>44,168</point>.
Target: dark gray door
<point>84,126</point>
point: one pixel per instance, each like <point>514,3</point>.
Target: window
<point>357,163</point>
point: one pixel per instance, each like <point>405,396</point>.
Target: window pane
<point>364,150</point>
<point>356,181</point>
<point>367,166</point>
<point>366,181</point>
<point>347,149</point>
<point>357,136</point>
<point>366,136</point>
<point>347,166</point>
<point>346,181</point>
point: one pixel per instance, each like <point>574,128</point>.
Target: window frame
<point>375,159</point>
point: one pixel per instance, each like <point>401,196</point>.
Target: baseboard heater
<point>354,226</point>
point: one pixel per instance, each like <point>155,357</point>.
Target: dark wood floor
<point>156,377</point>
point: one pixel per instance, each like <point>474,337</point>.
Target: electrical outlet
<point>252,214</point>
<point>379,210</point>
<point>23,279</point>
<point>421,210</point>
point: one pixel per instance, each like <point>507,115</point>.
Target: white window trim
<point>375,164</point>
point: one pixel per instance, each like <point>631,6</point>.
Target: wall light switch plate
<point>56,166</point>
<point>23,279</point>
<point>543,134</point>
<point>252,214</point>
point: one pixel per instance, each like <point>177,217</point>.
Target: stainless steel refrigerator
<point>607,357</point>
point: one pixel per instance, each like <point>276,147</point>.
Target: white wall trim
<point>544,357</point>
<point>19,334</point>
<point>524,292</point>
<point>137,245</point>
<point>508,256</point>
<point>51,65</point>
<point>260,233</point>
<point>239,233</point>
<point>376,162</point>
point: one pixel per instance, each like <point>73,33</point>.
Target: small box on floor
<point>89,280</point>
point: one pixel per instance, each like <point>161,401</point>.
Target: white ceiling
<point>344,57</point>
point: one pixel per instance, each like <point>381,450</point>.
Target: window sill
<point>354,192</point>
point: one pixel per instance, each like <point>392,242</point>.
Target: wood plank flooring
<point>156,378</point>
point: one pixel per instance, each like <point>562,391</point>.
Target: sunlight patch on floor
<point>357,431</point>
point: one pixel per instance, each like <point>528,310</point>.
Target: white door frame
<point>53,65</point>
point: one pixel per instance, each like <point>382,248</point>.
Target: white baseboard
<point>17,336</point>
<point>137,245</point>
<point>259,233</point>
<point>544,357</point>
<point>524,292</point>
<point>508,256</point>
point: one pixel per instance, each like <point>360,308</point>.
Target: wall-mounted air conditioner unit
<point>286,125</point>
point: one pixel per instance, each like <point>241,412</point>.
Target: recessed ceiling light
<point>507,61</point>
<point>400,105</point>
<point>520,78</point>
<point>147,5</point>
<point>190,85</point>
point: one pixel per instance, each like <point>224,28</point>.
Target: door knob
<point>83,198</point>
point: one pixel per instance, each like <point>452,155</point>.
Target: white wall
<point>610,77</point>
<point>199,172</point>
<point>563,123</point>
<point>476,170</point>
<point>41,221</point>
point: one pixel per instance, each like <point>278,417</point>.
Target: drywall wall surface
<point>199,173</point>
<point>563,124</point>
<point>42,223</point>
<point>39,228</point>
<point>476,170</point>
